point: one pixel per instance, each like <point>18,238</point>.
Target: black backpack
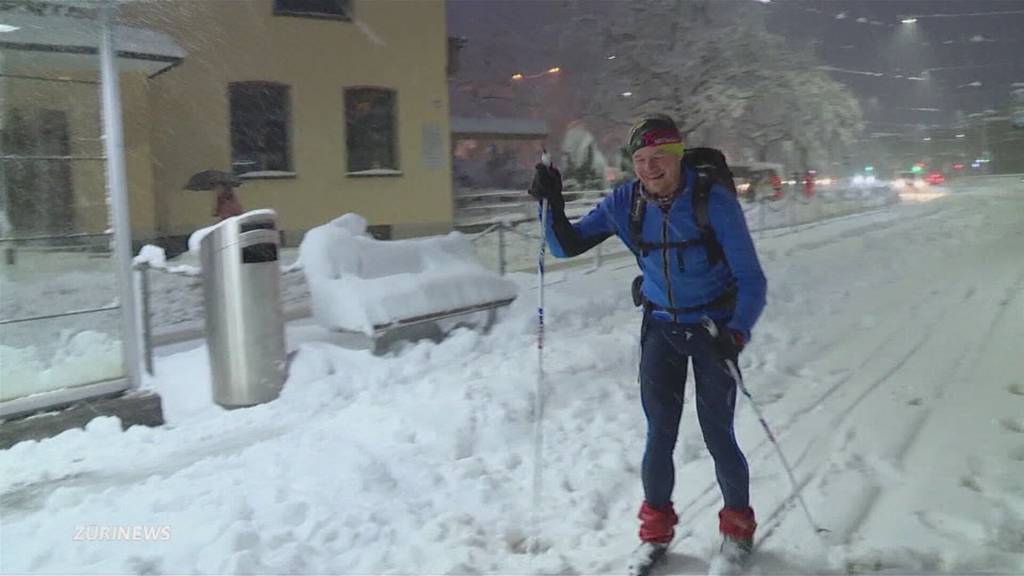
<point>711,168</point>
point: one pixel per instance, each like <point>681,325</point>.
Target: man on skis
<point>687,230</point>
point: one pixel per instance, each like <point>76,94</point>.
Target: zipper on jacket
<point>664,259</point>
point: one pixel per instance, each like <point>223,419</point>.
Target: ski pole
<point>712,329</point>
<point>538,395</point>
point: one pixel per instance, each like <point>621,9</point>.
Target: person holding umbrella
<point>226,204</point>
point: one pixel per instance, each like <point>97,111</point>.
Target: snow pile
<point>155,257</point>
<point>357,283</point>
<point>152,255</point>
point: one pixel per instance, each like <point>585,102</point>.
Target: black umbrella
<point>211,179</point>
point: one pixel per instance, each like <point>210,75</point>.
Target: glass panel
<point>44,355</point>
<point>59,316</point>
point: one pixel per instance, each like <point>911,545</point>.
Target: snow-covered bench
<point>360,284</point>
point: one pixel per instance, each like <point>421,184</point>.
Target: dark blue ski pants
<point>666,347</point>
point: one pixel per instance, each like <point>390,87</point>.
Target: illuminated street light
<point>627,94</point>
<point>8,28</point>
<point>612,57</point>
<point>927,139</point>
<point>552,70</point>
<point>961,135</point>
<point>908,20</point>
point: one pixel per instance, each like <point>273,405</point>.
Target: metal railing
<point>510,236</point>
<point>508,241</point>
<point>189,324</point>
<point>507,244</point>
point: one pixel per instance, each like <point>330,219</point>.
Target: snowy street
<point>887,362</point>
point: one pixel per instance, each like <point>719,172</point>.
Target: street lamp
<point>910,20</point>
<point>549,71</point>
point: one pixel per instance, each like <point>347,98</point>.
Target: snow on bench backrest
<point>357,282</point>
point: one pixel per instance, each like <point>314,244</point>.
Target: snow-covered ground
<point>887,363</point>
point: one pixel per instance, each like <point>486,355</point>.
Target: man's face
<point>658,170</point>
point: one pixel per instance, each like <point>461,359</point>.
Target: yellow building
<point>320,106</point>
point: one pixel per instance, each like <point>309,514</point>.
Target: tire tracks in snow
<point>968,357</point>
<point>774,518</point>
<point>980,331</point>
<point>870,495</point>
<point>761,451</point>
<point>694,507</point>
<point>858,232</point>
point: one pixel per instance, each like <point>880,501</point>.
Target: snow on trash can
<point>244,320</point>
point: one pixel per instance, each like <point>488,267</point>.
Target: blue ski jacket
<point>678,278</point>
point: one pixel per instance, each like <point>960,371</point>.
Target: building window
<point>259,127</point>
<point>370,133</point>
<point>336,9</point>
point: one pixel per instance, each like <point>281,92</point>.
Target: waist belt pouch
<point>638,295</point>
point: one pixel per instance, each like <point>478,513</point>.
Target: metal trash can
<point>244,320</point>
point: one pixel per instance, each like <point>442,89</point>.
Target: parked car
<point>757,180</point>
<point>907,180</point>
<point>935,178</point>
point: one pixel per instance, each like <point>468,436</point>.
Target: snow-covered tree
<point>793,101</point>
<point>710,66</point>
<point>667,58</point>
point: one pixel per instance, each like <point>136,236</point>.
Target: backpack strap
<point>637,207</point>
<point>701,193</point>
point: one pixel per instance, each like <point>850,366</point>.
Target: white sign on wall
<point>433,146</point>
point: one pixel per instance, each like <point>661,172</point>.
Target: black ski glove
<point>728,342</point>
<point>734,340</point>
<point>547,185</point>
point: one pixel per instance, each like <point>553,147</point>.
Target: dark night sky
<point>957,51</point>
<point>860,37</point>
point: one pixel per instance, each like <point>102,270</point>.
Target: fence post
<point>501,248</point>
<point>147,321</point>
